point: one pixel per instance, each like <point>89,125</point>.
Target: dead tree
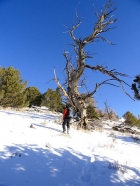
<point>74,71</point>
<point>109,113</point>
<point>108,110</point>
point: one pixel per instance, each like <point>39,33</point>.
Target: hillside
<point>43,156</point>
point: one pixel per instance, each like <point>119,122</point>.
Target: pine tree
<point>53,100</point>
<point>91,108</point>
<point>130,119</point>
<point>92,113</point>
<point>11,88</point>
<point>33,96</point>
<point>138,123</point>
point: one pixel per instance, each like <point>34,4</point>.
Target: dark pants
<point>66,122</point>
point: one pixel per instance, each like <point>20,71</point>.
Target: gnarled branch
<point>111,73</point>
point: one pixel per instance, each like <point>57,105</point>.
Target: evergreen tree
<point>53,100</point>
<point>11,88</point>
<point>33,96</point>
<point>92,113</point>
<point>130,118</point>
<point>136,87</point>
<point>138,123</point>
<point>100,113</point>
<point>91,108</point>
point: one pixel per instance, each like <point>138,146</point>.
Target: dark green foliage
<point>33,96</point>
<point>130,119</point>
<point>11,88</point>
<point>138,123</point>
<point>100,113</point>
<point>53,100</point>
<point>136,87</point>
<point>92,113</point>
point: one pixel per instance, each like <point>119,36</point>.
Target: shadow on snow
<point>31,165</point>
<point>46,127</point>
<point>32,115</point>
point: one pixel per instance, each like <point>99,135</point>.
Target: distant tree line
<point>14,93</point>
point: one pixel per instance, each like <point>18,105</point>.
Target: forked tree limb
<point>63,90</point>
<point>111,73</point>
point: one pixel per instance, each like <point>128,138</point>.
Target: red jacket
<point>65,113</point>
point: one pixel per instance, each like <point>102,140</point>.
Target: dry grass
<point>119,167</point>
<point>48,145</point>
<point>99,129</point>
<point>107,146</point>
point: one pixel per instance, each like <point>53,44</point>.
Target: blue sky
<point>32,40</point>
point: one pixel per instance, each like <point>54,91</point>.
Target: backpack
<point>70,113</point>
<point>67,113</point>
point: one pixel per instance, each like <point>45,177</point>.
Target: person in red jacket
<point>66,119</point>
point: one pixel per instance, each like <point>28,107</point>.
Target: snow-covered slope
<point>43,156</point>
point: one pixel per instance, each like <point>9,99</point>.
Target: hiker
<point>66,119</point>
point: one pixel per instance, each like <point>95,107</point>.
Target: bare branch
<point>49,81</point>
<point>111,73</point>
<point>98,85</point>
<point>96,13</point>
<point>62,89</point>
<point>108,110</point>
<point>102,69</point>
<point>75,48</point>
<point>67,63</point>
<point>104,20</point>
<point>71,31</point>
<point>104,39</point>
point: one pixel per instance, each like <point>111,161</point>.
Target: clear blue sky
<point>32,41</point>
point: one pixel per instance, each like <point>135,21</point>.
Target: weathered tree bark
<point>74,71</point>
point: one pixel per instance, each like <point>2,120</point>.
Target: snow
<point>43,156</point>
<point>122,119</point>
